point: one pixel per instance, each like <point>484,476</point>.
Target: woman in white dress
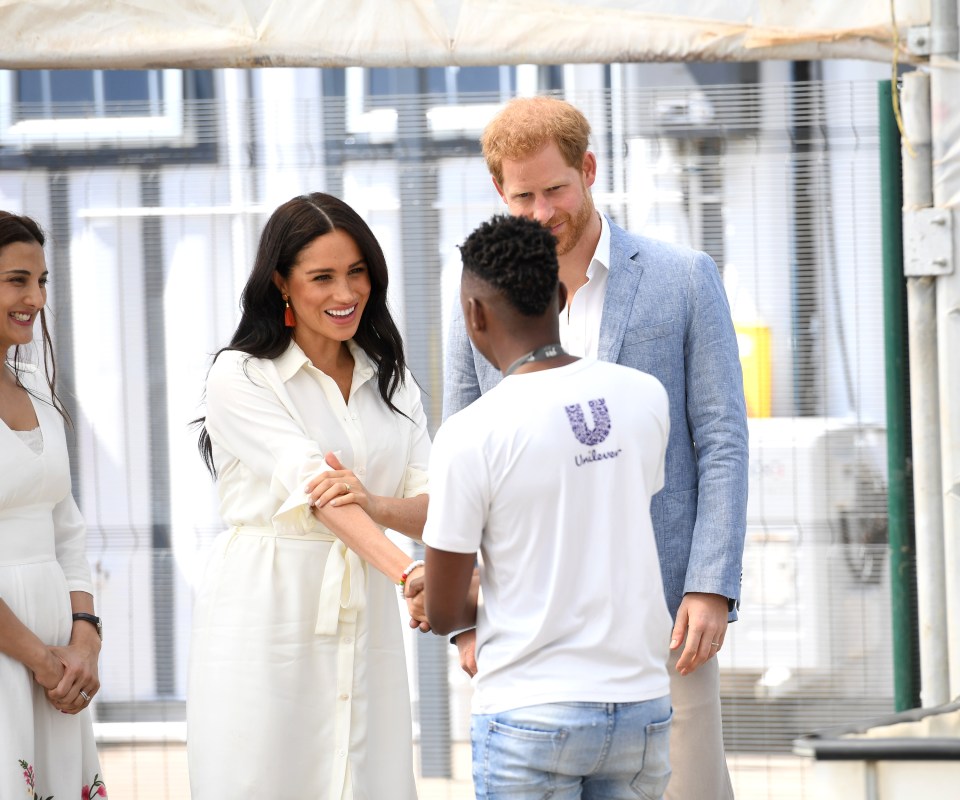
<point>317,437</point>
<point>49,636</point>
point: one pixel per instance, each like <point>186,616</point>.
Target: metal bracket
<point>927,41</point>
<point>927,242</point>
<point>919,40</point>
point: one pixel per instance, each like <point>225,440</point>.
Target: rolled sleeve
<point>294,517</point>
<point>415,482</point>
<point>248,419</point>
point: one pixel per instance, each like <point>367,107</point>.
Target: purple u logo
<point>601,422</point>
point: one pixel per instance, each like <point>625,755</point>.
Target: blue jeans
<point>594,751</point>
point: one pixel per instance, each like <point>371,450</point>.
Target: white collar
<point>601,256</point>
<point>294,359</point>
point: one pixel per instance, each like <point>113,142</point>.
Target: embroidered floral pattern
<point>601,422</point>
<point>91,792</point>
<point>30,780</point>
<point>94,790</point>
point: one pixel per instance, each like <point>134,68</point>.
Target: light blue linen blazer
<point>666,313</point>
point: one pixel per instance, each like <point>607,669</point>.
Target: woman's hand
<point>340,486</point>
<point>80,680</point>
<point>48,673</point>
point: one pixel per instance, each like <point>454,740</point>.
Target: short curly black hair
<point>517,257</point>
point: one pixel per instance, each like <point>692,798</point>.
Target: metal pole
<point>419,221</point>
<point>925,405</point>
<point>945,101</point>
<point>806,310</point>
<point>871,781</point>
<point>902,557</point>
<point>58,247</point>
<point>164,571</point>
<point>237,149</point>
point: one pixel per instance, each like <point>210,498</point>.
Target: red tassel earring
<point>288,318</point>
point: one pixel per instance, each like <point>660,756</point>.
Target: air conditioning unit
<point>815,605</point>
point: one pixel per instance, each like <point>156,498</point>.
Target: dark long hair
<point>262,333</point>
<point>18,228</point>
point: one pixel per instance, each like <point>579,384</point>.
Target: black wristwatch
<point>92,619</point>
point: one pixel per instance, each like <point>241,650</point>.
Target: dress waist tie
<point>343,589</point>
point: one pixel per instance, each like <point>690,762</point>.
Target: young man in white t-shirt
<point>549,476</point>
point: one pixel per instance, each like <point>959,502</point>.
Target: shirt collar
<point>294,359</point>
<point>601,256</point>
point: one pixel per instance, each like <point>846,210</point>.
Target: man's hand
<point>467,647</point>
<point>414,595</point>
<point>702,621</point>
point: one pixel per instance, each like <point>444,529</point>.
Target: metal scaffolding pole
<point>924,392</point>
<point>903,587</point>
<point>945,98</point>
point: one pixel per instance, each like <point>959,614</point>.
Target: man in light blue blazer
<point>661,309</point>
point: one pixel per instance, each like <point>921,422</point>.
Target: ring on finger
<point>714,644</point>
<point>85,696</point>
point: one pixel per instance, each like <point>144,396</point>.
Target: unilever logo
<point>601,422</point>
<point>591,436</point>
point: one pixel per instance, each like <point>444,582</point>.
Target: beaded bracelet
<point>406,573</point>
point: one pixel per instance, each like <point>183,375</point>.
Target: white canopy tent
<point>394,33</point>
<point>118,34</point>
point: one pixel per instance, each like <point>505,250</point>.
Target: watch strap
<point>92,619</point>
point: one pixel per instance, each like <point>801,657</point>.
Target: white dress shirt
<point>580,320</point>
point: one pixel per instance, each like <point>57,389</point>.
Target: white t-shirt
<point>549,475</point>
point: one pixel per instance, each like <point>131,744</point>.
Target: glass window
<point>126,84</point>
<point>454,84</point>
<point>481,79</point>
<point>71,89</point>
<point>456,101</point>
<point>131,92</point>
<point>80,94</point>
<point>381,82</point>
<point>41,107</point>
<point>30,85</point>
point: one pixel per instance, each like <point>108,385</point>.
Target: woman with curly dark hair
<point>49,636</point>
<point>318,440</point>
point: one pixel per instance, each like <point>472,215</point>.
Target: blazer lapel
<point>622,283</point>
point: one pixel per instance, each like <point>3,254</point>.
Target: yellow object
<point>754,344</point>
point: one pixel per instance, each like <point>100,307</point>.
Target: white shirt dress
<point>297,681</point>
